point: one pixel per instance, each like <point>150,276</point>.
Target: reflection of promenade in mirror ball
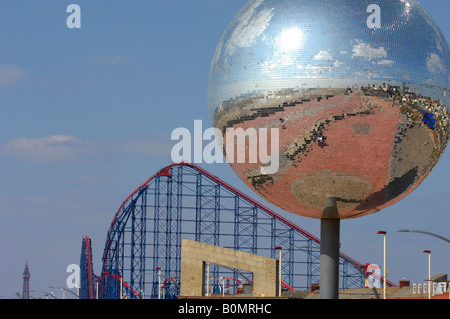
<point>361,112</point>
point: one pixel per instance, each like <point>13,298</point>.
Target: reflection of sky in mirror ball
<point>361,111</point>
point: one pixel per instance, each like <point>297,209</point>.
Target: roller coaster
<point>142,254</point>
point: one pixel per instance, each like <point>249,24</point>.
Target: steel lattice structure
<point>86,270</point>
<point>143,245</point>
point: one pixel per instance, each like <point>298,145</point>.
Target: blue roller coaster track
<point>142,255</point>
<point>86,270</point>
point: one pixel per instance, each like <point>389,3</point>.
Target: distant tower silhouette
<point>26,282</point>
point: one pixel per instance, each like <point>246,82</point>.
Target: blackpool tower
<point>26,282</point>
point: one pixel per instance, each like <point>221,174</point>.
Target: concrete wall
<point>194,255</point>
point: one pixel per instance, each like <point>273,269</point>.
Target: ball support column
<point>329,251</point>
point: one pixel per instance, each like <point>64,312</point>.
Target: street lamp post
<point>429,272</point>
<point>51,294</point>
<point>159,282</point>
<point>64,290</point>
<point>384,261</point>
<point>279,270</point>
<point>426,233</point>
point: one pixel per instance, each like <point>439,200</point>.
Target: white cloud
<point>368,52</point>
<point>54,148</point>
<point>10,74</point>
<point>435,64</point>
<point>314,69</point>
<point>68,149</point>
<point>386,62</point>
<point>324,56</point>
<point>268,67</point>
<point>338,64</point>
<point>439,45</point>
<point>249,28</point>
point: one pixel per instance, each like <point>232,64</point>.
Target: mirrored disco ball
<point>350,99</point>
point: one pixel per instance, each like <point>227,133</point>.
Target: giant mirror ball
<point>354,93</point>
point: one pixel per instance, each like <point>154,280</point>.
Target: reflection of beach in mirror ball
<point>361,107</point>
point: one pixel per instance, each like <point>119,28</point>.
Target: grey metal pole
<point>329,251</point>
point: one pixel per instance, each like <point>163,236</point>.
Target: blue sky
<point>86,116</point>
